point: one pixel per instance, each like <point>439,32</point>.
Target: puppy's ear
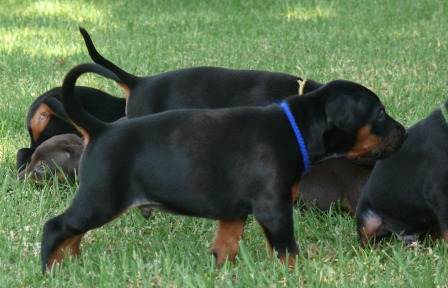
<point>316,140</point>
<point>341,113</point>
<point>23,158</point>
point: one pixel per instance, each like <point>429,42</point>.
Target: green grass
<point>397,48</point>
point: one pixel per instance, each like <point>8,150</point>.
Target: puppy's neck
<point>308,111</point>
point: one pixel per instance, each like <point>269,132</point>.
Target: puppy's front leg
<point>225,245</point>
<point>276,219</point>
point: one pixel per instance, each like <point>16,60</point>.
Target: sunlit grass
<point>75,10</point>
<point>309,14</point>
<point>35,32</point>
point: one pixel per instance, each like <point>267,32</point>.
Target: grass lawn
<point>397,48</point>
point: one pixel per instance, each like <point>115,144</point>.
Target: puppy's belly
<point>200,209</point>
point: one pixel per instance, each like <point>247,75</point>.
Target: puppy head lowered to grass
<point>59,155</point>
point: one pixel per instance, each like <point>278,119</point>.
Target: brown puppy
<point>58,155</point>
<point>46,117</point>
<point>336,180</point>
<point>219,164</point>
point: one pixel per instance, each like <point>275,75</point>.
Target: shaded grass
<point>397,49</point>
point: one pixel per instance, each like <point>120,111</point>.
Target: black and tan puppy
<point>336,181</point>
<point>200,87</point>
<point>407,193</point>
<point>46,116</point>
<point>59,155</point>
<point>214,87</point>
<point>197,87</point>
<point>218,164</point>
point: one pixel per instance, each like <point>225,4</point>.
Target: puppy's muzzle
<point>372,146</point>
<point>36,173</point>
<point>392,142</point>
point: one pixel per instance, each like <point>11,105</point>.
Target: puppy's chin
<point>325,157</point>
<point>369,160</point>
<point>378,154</point>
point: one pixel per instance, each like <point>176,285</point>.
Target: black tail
<point>85,123</point>
<point>126,78</point>
<point>57,108</point>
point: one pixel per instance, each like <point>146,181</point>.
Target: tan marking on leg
<point>225,245</point>
<point>365,142</point>
<point>294,191</point>
<point>291,259</point>
<point>40,120</point>
<point>70,246</point>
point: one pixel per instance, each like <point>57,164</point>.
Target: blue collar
<point>295,127</point>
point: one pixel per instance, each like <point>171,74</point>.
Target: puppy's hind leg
<point>371,228</point>
<point>62,234</point>
<point>439,205</point>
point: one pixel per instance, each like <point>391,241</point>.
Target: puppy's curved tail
<point>127,79</point>
<point>84,122</point>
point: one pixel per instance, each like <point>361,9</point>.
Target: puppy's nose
<point>405,135</point>
<point>399,136</point>
<point>40,168</point>
<point>402,132</point>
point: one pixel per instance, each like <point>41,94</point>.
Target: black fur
<point>407,193</point>
<point>200,87</point>
<point>96,102</point>
<point>218,164</point>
